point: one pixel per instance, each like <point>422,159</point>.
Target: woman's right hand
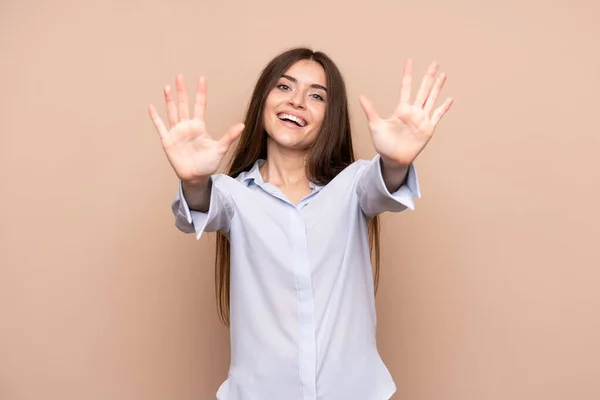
<point>191,151</point>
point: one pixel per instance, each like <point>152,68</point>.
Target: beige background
<point>489,289</point>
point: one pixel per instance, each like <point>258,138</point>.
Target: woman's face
<point>295,107</point>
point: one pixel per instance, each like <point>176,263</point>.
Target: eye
<point>317,96</point>
<point>283,86</point>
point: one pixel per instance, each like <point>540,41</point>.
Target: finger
<point>233,133</point>
<point>406,82</point>
<point>171,108</point>
<point>441,111</point>
<point>200,107</point>
<point>368,108</point>
<point>435,93</point>
<point>160,127</point>
<point>426,84</point>
<point>183,108</point>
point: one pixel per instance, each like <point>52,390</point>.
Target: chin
<point>290,140</point>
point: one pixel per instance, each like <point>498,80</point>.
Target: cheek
<point>318,117</point>
<point>269,101</point>
<point>269,109</point>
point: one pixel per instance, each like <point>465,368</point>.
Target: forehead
<point>307,72</point>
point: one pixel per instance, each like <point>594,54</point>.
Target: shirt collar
<point>254,175</point>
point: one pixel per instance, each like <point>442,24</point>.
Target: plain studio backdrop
<point>489,289</point>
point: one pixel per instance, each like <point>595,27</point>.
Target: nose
<point>297,99</point>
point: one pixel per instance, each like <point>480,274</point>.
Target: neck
<point>284,167</point>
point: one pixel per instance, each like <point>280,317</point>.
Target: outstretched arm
<point>191,151</point>
<point>400,138</point>
<point>195,156</point>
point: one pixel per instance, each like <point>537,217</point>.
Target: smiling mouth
<point>292,118</point>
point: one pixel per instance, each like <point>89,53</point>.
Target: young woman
<point>297,218</point>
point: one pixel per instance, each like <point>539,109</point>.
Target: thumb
<point>368,108</point>
<point>233,133</point>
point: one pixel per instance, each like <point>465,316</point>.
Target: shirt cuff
<point>196,220</point>
<point>407,191</point>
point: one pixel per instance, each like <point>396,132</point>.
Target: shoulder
<point>223,186</point>
<point>364,163</point>
<point>359,166</point>
<point>231,186</point>
<point>226,182</point>
<point>351,173</point>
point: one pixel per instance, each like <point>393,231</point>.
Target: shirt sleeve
<point>374,197</point>
<point>217,218</point>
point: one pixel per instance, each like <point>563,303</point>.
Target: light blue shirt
<point>303,322</point>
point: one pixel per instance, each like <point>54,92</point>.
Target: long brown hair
<point>327,157</point>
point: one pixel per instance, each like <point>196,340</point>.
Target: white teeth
<point>290,117</point>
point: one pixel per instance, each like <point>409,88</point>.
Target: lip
<point>288,123</point>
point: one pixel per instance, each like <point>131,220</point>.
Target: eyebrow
<point>314,85</point>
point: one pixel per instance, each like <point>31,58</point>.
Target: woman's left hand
<point>400,138</point>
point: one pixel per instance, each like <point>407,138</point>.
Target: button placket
<point>306,308</point>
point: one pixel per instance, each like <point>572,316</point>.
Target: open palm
<point>192,152</point>
<point>401,137</point>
